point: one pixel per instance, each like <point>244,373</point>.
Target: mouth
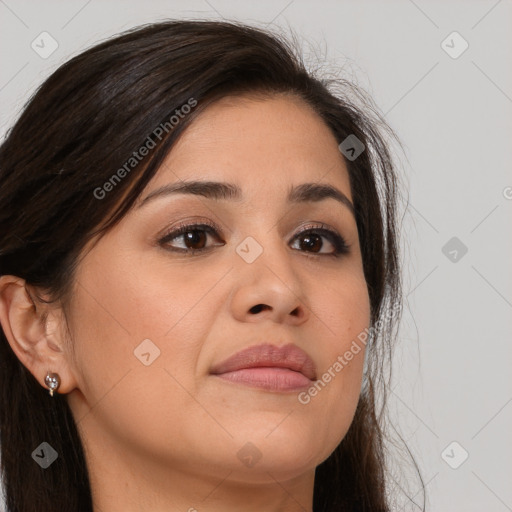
<point>286,368</point>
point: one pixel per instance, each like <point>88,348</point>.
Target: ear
<point>36,332</point>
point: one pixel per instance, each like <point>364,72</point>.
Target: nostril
<point>258,308</point>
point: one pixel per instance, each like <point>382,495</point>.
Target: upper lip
<point>270,356</point>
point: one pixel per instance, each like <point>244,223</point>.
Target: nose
<point>268,289</point>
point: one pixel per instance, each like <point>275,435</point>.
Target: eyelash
<point>340,245</point>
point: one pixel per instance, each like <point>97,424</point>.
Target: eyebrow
<point>306,192</point>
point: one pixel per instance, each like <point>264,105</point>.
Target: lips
<point>269,356</point>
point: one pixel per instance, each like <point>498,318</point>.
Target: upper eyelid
<point>209,226</point>
<point>191,225</point>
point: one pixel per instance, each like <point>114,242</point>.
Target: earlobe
<point>24,322</point>
<point>52,380</point>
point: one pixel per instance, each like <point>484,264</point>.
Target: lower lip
<point>272,379</point>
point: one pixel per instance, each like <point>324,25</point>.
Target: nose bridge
<point>265,251</point>
<point>267,283</point>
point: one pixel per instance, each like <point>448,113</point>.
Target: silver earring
<point>52,380</point>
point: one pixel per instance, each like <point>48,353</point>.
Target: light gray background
<point>452,366</point>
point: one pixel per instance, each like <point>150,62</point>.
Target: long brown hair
<point>80,127</point>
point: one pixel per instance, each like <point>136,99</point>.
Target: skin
<point>166,436</point>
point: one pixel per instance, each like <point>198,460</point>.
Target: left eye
<point>312,239</point>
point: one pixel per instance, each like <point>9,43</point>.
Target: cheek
<point>345,321</point>
<point>344,313</point>
<point>126,400</point>
<point>134,300</point>
<point>153,314</point>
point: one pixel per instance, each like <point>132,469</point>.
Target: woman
<point>199,282</point>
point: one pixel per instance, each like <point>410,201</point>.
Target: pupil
<point>309,241</point>
<point>194,237</point>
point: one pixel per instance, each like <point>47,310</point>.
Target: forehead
<point>263,144</point>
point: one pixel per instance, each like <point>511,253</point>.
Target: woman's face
<point>151,320</point>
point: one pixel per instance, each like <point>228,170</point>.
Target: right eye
<point>194,238</point>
